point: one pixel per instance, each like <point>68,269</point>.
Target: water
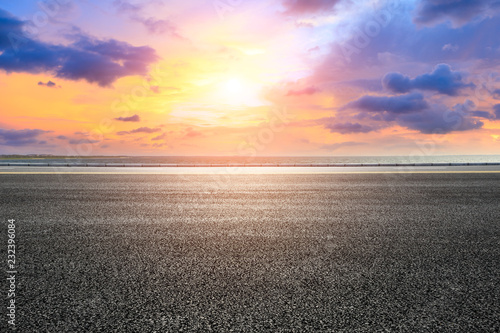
<point>258,160</point>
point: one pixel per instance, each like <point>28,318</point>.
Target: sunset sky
<point>240,77</point>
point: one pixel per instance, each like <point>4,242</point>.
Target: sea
<point>193,160</point>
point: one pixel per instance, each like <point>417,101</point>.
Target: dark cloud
<point>482,114</point>
<point>62,137</point>
<point>348,128</point>
<point>459,12</point>
<point>496,94</point>
<point>306,91</point>
<point>20,137</point>
<point>301,7</point>
<point>438,119</point>
<point>96,61</point>
<point>49,84</point>
<point>442,80</point>
<point>134,118</point>
<point>335,146</point>
<point>496,108</point>
<point>394,104</point>
<point>413,112</point>
<point>140,130</point>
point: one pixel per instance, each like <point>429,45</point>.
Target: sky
<point>250,78</point>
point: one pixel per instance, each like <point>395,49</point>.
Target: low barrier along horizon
<point>162,165</point>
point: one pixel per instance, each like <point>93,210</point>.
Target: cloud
<point>413,112</point>
<point>496,94</point>
<point>82,141</point>
<point>49,84</point>
<point>140,130</point>
<point>306,91</point>
<point>348,127</point>
<point>301,7</point>
<point>125,6</point>
<point>407,45</point>
<point>450,47</point>
<point>20,137</point>
<point>152,25</point>
<point>364,84</point>
<point>159,137</point>
<point>62,137</point>
<point>395,104</point>
<point>157,26</point>
<point>496,108</point>
<point>87,58</point>
<point>458,12</point>
<point>134,118</point>
<point>335,146</point>
<point>439,119</point>
<point>334,126</point>
<point>482,114</point>
<point>442,80</point>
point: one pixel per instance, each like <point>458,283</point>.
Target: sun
<point>234,86</point>
<point>238,91</point>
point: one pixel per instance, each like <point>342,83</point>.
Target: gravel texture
<point>255,253</point>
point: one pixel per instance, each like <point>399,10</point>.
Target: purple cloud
<point>140,130</point>
<point>438,119</point>
<point>152,25</point>
<point>442,80</point>
<point>82,141</point>
<point>134,118</point>
<point>87,58</point>
<point>49,84</point>
<point>496,94</point>
<point>348,128</point>
<point>301,7</point>
<point>157,26</point>
<point>395,104</point>
<point>459,12</point>
<point>413,112</point>
<point>20,137</point>
<point>482,114</point>
<point>496,108</point>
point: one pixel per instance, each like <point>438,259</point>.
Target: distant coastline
<point>242,160</point>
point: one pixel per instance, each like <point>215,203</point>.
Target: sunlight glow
<point>237,91</point>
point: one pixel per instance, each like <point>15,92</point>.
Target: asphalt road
<point>254,252</point>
